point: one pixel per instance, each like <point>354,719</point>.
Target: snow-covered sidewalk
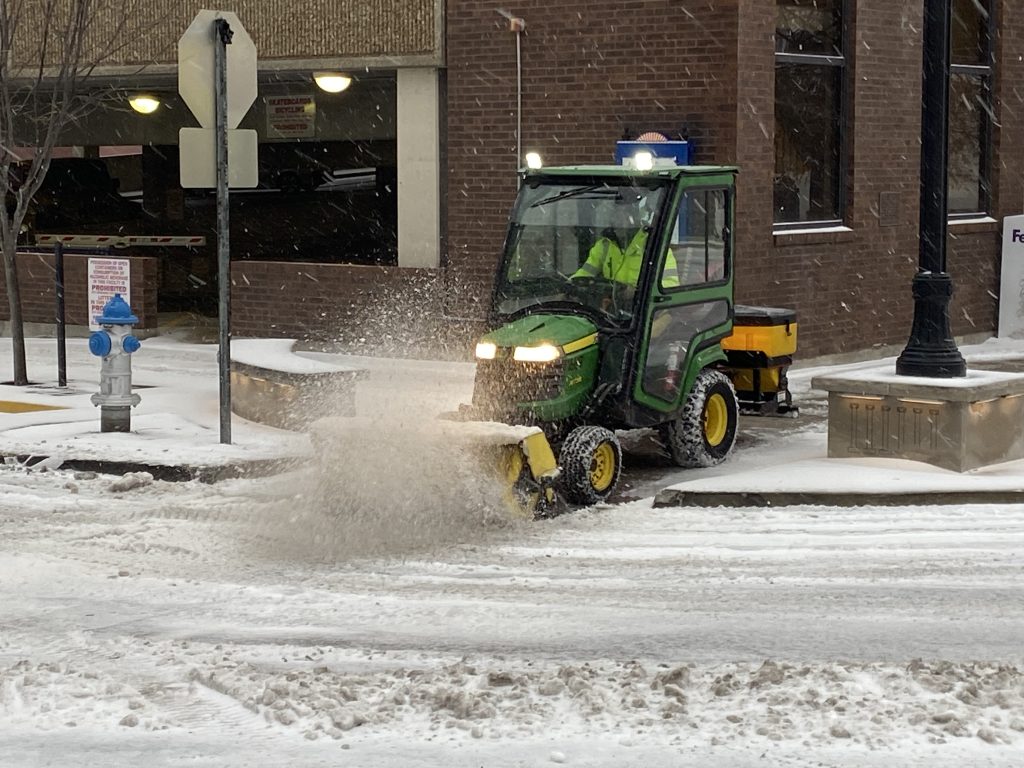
<point>176,424</point>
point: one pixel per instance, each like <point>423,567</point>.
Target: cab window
<point>698,245</point>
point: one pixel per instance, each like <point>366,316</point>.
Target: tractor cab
<point>644,259</point>
<point>613,309</point>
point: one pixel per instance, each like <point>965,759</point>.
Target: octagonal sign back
<point>196,70</point>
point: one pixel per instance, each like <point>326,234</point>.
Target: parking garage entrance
<point>327,183</point>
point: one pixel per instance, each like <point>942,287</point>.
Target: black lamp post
<point>931,350</point>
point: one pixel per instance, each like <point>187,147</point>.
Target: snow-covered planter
<point>273,385</point>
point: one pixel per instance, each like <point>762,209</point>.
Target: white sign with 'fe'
<point>1011,283</point>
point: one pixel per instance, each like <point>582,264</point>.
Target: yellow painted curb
<point>12,406</point>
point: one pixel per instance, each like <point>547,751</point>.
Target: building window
<point>970,109</point>
<point>810,86</point>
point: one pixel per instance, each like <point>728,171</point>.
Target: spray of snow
<point>391,486</point>
<point>396,478</point>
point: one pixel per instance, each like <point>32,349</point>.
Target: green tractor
<point>613,310</point>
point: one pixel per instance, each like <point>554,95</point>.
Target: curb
<point>177,474</point>
<point>677,498</point>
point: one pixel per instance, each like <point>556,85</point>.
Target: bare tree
<point>48,49</point>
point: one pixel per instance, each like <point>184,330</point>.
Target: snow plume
<point>394,485</point>
<point>388,476</point>
<point>400,317</point>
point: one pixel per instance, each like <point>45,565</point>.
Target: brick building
<point>817,102</point>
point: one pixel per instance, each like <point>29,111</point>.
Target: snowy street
<point>331,616</point>
<point>183,620</point>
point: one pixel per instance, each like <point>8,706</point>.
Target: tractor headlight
<point>543,353</point>
<point>486,350</point>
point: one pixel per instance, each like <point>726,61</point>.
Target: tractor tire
<point>591,462</point>
<point>705,432</point>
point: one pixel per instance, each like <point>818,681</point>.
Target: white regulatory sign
<point>1011,281</point>
<point>292,116</point>
<point>198,158</point>
<point>196,70</point>
<point>107,277</point>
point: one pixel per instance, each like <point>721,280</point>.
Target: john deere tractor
<point>582,347</point>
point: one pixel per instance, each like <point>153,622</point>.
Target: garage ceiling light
<point>332,82</point>
<point>144,103</point>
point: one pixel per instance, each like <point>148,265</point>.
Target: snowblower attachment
<point>519,459</point>
<point>511,465</point>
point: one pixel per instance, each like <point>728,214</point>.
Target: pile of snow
<point>864,704</point>
<point>324,693</point>
<point>51,695</point>
<point>130,481</point>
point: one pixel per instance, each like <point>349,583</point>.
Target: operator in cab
<point>618,256</point>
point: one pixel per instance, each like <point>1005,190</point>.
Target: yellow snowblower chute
<point>529,469</point>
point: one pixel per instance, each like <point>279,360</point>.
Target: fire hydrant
<point>115,344</point>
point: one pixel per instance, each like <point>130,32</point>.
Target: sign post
<point>62,342</point>
<point>219,106</point>
<point>222,33</point>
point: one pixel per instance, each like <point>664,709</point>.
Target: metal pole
<point>517,26</point>
<point>222,34</point>
<point>519,97</point>
<point>935,136</point>
<point>931,350</point>
<point>62,351</point>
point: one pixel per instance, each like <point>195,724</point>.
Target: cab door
<point>690,304</point>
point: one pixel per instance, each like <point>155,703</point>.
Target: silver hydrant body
<point>115,345</point>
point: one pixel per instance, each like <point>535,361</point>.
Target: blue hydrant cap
<point>117,312</point>
<point>99,343</point>
<point>130,344</point>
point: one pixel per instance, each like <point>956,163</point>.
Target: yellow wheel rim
<point>602,467</point>
<point>716,420</point>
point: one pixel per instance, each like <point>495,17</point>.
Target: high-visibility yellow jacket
<point>608,260</point>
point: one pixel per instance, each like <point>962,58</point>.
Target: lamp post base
<point>931,351</point>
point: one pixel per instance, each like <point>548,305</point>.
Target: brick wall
<point>973,259</point>
<point>590,72</point>
<point>380,309</point>
<point>38,293</point>
<point>1009,108</point>
<point>127,33</point>
<point>852,290</point>
<point>590,75</point>
<point>759,275</point>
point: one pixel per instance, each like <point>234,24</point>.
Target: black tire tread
<point>575,458</point>
<point>684,436</point>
